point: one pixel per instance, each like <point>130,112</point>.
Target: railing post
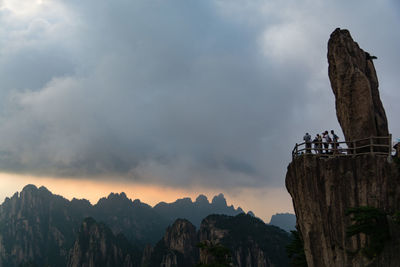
<point>390,144</point>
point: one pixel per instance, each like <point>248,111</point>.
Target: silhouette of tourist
<point>315,142</point>
<point>319,143</point>
<point>327,140</point>
<point>335,139</point>
<point>307,139</point>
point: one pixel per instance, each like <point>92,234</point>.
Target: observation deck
<point>376,145</point>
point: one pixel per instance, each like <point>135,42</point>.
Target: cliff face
<point>355,84</point>
<point>96,245</point>
<point>36,226</point>
<point>324,189</point>
<point>176,248</point>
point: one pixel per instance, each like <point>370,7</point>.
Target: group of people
<point>322,143</point>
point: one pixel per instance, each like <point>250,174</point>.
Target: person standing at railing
<point>315,142</point>
<point>335,139</point>
<point>327,140</point>
<point>319,143</point>
<point>307,139</point>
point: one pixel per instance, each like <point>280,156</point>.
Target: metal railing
<point>377,145</point>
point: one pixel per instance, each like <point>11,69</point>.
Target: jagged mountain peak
<point>121,195</point>
<point>29,187</point>
<point>115,199</point>
<point>202,199</point>
<point>219,200</point>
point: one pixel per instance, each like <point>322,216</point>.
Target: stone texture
<point>96,246</point>
<point>181,236</point>
<point>181,240</point>
<point>355,84</point>
<point>323,189</point>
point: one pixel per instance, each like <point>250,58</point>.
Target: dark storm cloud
<point>182,92</point>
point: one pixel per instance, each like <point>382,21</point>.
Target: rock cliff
<point>177,248</point>
<point>325,189</point>
<point>242,240</point>
<point>36,226</point>
<point>355,84</point>
<point>97,246</point>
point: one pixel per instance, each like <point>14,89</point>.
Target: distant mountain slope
<point>286,221</point>
<point>139,222</point>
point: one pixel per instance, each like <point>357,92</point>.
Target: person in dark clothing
<point>307,139</point>
<point>335,139</point>
<point>315,142</point>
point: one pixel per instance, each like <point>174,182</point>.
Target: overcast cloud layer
<point>180,92</point>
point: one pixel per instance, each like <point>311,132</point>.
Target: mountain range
<point>38,228</point>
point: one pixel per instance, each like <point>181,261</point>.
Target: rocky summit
<point>355,84</point>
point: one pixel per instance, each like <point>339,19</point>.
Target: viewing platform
<point>376,145</point>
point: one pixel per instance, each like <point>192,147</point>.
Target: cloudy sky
<point>180,96</point>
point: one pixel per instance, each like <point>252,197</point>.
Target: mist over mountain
<point>286,221</point>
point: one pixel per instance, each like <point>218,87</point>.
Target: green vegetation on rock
<point>295,250</point>
<point>373,223</point>
<point>221,256</point>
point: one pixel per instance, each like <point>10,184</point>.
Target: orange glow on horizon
<point>264,202</point>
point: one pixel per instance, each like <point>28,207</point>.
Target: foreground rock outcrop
<point>355,84</point>
<point>325,189</point>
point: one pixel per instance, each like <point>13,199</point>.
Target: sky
<point>167,99</point>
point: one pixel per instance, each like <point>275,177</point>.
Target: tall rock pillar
<point>354,82</point>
